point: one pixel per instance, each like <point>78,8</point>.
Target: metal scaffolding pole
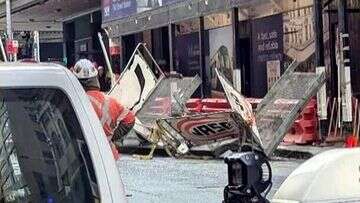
<point>3,50</point>
<point>171,33</point>
<point>204,88</point>
<point>8,24</point>
<point>36,46</point>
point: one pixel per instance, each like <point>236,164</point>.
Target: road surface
<point>184,180</point>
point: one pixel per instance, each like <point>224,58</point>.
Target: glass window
<point>187,50</point>
<point>43,156</point>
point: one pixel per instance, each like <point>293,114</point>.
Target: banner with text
<point>267,51</point>
<point>117,9</point>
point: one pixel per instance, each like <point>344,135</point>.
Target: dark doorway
<point>160,47</point>
<point>128,47</point>
<point>69,37</point>
<point>129,44</point>
<point>244,56</point>
<point>244,63</point>
<point>51,52</point>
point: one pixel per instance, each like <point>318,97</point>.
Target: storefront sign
<point>117,9</point>
<point>267,39</point>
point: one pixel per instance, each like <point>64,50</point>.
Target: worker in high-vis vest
<point>116,120</point>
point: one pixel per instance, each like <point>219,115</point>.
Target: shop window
<point>187,49</point>
<point>160,48</point>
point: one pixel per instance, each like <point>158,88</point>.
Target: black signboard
<point>117,9</point>
<point>267,52</point>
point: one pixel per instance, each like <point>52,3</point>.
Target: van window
<point>43,154</point>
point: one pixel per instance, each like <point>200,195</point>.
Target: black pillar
<point>239,79</point>
<point>171,33</point>
<point>343,27</point>
<point>319,36</point>
<point>121,62</point>
<point>319,57</point>
<point>235,30</point>
<point>204,88</point>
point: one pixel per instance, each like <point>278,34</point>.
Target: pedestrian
<point>105,82</point>
<point>116,120</point>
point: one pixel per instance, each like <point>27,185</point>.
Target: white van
<point>52,146</point>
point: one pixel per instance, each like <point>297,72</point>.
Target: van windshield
<point>43,154</point>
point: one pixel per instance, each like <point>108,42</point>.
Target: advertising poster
<point>221,53</point>
<point>267,51</point>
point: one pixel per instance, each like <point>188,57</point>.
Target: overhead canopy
<point>47,15</point>
<point>184,10</point>
<point>44,15</point>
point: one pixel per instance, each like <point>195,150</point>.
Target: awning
<point>45,15</point>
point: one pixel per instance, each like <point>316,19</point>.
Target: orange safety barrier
<point>206,109</point>
<point>216,103</point>
<point>351,141</point>
<point>194,105</point>
<point>210,105</point>
<point>304,128</point>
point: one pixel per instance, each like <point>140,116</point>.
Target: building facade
<point>252,42</point>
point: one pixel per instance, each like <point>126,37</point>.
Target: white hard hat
<point>85,69</point>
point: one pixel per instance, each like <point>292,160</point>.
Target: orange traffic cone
<point>351,141</point>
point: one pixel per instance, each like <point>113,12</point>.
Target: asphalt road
<point>184,180</point>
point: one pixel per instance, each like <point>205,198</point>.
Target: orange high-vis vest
<point>110,113</point>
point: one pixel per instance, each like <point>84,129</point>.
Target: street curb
<point>280,152</point>
<point>292,154</point>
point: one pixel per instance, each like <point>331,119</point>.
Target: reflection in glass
<point>40,158</point>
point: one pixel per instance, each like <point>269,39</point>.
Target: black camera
<point>249,175</point>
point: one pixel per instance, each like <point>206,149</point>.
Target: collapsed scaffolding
<point>158,101</point>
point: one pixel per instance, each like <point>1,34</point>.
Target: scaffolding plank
<point>284,102</point>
